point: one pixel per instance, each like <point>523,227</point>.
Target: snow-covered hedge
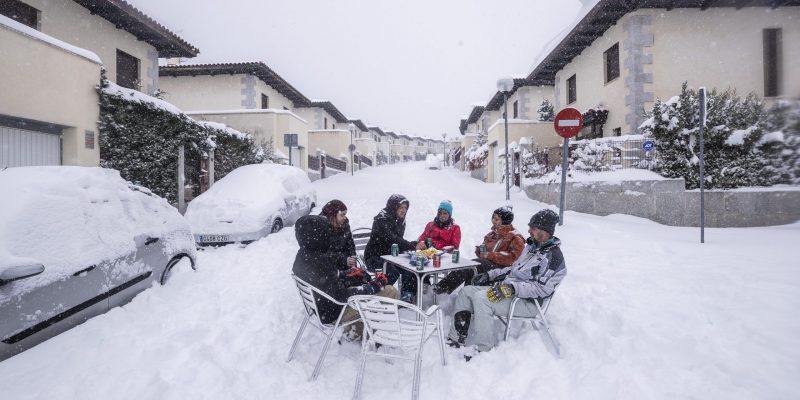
<point>744,144</point>
<point>477,155</point>
<point>140,135</point>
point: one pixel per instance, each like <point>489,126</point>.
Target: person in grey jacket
<point>534,275</point>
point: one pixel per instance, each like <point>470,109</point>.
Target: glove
<point>377,283</point>
<point>499,292</point>
<point>480,279</point>
<point>352,273</point>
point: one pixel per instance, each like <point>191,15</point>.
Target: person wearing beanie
<point>535,275</point>
<point>342,247</point>
<point>443,232</point>
<point>503,246</point>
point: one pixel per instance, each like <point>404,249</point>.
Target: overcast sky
<point>412,66</point>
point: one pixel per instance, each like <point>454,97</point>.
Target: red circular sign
<point>568,122</point>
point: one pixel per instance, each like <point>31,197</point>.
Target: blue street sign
<point>648,145</point>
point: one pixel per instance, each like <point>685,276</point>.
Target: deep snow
<point>645,312</point>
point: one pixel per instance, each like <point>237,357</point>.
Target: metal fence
<point>365,160</point>
<point>313,163</point>
<point>335,163</point>
<point>617,154</point>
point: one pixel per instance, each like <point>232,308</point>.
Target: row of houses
<point>619,56</point>
<point>51,56</point>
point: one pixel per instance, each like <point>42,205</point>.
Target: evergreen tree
<point>546,112</point>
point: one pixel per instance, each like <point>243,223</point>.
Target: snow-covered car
<point>251,202</point>
<point>76,242</point>
<point>434,161</point>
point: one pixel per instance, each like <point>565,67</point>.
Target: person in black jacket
<point>388,228</point>
<point>341,238</point>
<point>316,265</point>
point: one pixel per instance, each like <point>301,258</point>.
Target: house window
<point>325,121</point>
<point>334,126</point>
<point>88,139</point>
<point>617,131</point>
<point>611,58</point>
<point>516,109</point>
<point>21,12</point>
<point>264,101</point>
<point>572,90</point>
<point>772,62</point>
<point>127,70</point>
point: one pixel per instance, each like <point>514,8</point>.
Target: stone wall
<point>667,202</point>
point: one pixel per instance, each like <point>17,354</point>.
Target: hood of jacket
<point>390,211</point>
<point>312,233</point>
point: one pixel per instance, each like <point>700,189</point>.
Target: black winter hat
<point>545,220</point>
<point>505,214</point>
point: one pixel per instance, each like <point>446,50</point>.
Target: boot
<point>461,321</point>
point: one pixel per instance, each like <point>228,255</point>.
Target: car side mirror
<point>20,272</point>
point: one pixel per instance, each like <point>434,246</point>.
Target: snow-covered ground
<point>646,312</point>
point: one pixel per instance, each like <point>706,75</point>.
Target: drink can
<point>437,261</point>
<point>483,247</point>
<point>455,255</point>
<point>420,263</point>
<point>429,242</point>
<point>395,250</point>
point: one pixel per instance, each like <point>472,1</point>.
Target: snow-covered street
<point>645,312</point>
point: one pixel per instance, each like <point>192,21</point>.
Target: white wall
<point>72,23</point>
<point>45,83</point>
<point>220,92</point>
<point>528,99</point>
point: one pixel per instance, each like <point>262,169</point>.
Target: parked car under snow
<point>434,161</point>
<point>251,202</point>
<point>76,242</point>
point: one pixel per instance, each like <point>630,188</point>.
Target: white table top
<point>404,262</point>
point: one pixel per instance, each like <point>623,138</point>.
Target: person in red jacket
<point>443,232</point>
<point>503,246</point>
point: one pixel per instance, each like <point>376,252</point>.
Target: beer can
<point>395,250</point>
<point>420,263</point>
<point>429,242</point>
<point>455,255</point>
<point>483,247</point>
<point>437,261</point>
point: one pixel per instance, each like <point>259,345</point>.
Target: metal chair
<point>536,321</point>
<point>361,238</point>
<point>307,293</point>
<point>384,328</point>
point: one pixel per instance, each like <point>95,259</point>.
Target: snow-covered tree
<point>783,140</point>
<point>735,154</point>
<point>546,112</point>
<point>591,156</point>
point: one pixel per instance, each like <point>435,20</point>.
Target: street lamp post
<point>352,147</point>
<point>505,85</point>
<point>444,149</point>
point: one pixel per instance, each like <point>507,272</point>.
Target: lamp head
<point>505,84</point>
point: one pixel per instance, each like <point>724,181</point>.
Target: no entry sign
<point>568,122</point>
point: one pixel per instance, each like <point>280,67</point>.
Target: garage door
<point>22,147</point>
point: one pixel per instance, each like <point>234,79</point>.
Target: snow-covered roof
<point>10,24</point>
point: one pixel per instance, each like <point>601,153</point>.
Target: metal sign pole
<point>181,180</point>
<point>505,118</point>
<point>702,95</point>
<point>564,165</point>
<point>211,168</point>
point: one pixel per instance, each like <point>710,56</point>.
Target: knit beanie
<point>505,214</point>
<point>447,206</point>
<point>545,220</point>
<point>333,207</point>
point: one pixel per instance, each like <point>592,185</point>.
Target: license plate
<point>214,238</point>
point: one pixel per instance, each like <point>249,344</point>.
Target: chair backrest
<point>307,293</point>
<point>360,238</point>
<point>383,325</point>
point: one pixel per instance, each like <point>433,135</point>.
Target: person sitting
<point>442,232</point>
<point>534,275</point>
<point>317,265</point>
<point>388,228</point>
<point>341,238</point>
<point>503,246</point>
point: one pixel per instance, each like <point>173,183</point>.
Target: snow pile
<point>246,199</point>
<point>33,33</point>
<point>68,218</point>
<point>621,175</point>
<point>645,312</point>
<point>225,128</point>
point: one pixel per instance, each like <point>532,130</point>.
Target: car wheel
<point>171,264</point>
<point>276,226</point>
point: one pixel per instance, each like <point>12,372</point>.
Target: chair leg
<point>550,336</point>
<point>417,368</point>
<point>360,372</point>
<point>297,338</point>
<point>321,360</point>
<point>441,336</point>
